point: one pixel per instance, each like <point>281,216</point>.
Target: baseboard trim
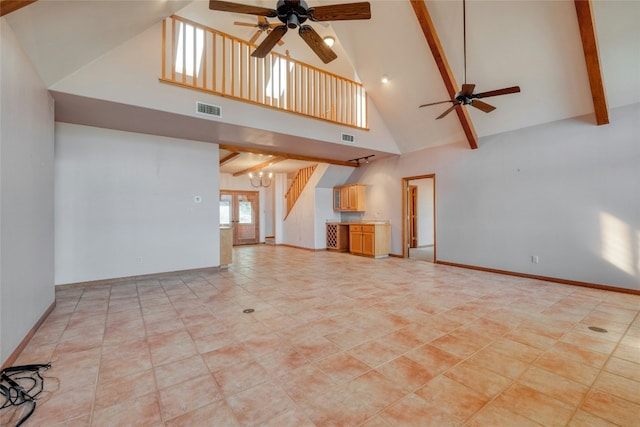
<point>545,278</point>
<point>300,247</point>
<point>142,277</point>
<point>25,341</point>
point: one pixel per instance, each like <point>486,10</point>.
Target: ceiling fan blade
<point>227,6</point>
<point>316,44</point>
<point>436,103</point>
<point>467,89</point>
<point>269,42</point>
<point>482,106</point>
<point>244,24</point>
<point>280,42</point>
<point>450,109</point>
<point>253,39</point>
<point>340,12</point>
<point>505,91</point>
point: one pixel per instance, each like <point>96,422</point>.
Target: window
<point>245,213</point>
<point>225,209</point>
<point>190,48</point>
<point>278,82</point>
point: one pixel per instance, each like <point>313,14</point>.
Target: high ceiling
<point>530,43</point>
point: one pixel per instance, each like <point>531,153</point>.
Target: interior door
<point>419,214</point>
<point>240,209</point>
<point>413,216</point>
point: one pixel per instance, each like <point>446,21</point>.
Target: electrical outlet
<point>535,259</point>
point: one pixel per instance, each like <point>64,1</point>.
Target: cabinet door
<point>355,242</point>
<point>353,197</point>
<point>337,199</point>
<point>368,244</point>
<point>344,199</point>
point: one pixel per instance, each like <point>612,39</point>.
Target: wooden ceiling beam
<point>584,11</point>
<point>8,6</point>
<point>260,166</point>
<point>429,31</point>
<point>288,156</point>
<point>228,158</point>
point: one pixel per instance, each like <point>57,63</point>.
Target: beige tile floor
<point>338,340</point>
<point>423,253</point>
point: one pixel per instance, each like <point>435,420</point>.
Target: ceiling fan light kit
<point>466,96</point>
<point>329,40</point>
<point>293,14</point>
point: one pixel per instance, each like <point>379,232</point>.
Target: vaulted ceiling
<point>565,66</point>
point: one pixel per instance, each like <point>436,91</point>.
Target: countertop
<point>366,222</point>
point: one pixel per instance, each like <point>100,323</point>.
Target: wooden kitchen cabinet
<point>369,239</point>
<point>349,198</point>
<point>355,239</point>
<point>226,246</point>
<point>337,236</point>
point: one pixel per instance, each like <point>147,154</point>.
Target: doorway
<point>239,210</point>
<point>419,211</point>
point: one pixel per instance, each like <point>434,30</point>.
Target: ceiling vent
<point>209,109</point>
<point>349,139</point>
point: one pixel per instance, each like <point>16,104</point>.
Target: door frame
<point>234,208</point>
<point>405,214</point>
<point>412,209</point>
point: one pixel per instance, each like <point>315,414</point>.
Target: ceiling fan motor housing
<point>292,13</point>
<point>464,100</point>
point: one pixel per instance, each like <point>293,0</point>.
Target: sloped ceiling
<point>62,36</point>
<point>530,43</point>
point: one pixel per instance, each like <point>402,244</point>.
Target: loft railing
<point>199,57</point>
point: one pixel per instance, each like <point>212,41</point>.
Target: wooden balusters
<point>199,57</point>
<point>297,185</point>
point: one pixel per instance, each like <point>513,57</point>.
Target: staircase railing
<point>202,58</point>
<point>296,187</point>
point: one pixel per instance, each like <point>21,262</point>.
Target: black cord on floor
<point>20,385</point>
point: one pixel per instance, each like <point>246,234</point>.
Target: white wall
<point>269,211</point>
<point>425,211</point>
<point>323,213</point>
<point>568,192</point>
<point>280,187</point>
<point>26,195</point>
<point>125,205</point>
<point>303,226</point>
<point>129,74</point>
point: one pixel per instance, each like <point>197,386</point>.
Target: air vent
<point>208,109</point>
<point>349,139</point>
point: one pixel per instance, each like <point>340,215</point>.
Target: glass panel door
<point>240,210</point>
<point>246,230</point>
<point>226,209</point>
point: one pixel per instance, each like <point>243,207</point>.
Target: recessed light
<point>384,79</point>
<point>329,41</point>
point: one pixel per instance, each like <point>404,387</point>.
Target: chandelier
<point>260,180</point>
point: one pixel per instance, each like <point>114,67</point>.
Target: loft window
<point>277,84</point>
<point>189,50</point>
